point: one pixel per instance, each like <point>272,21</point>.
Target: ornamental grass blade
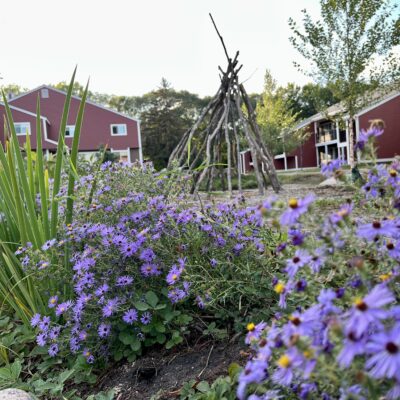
<point>74,156</point>
<point>20,181</point>
<point>59,160</point>
<point>41,175</point>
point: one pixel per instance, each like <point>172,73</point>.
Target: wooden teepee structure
<point>225,122</point>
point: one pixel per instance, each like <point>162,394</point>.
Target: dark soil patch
<point>162,373</point>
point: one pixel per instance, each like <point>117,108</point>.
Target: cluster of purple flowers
<point>124,246</point>
<point>346,344</point>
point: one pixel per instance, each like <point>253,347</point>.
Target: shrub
<point>141,261</point>
<point>337,332</point>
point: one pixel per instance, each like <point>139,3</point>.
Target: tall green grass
<point>23,176</point>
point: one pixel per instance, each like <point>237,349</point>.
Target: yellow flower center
<point>293,203</point>
<point>308,354</point>
<point>53,301</point>
<point>284,361</point>
<point>87,353</point>
<point>250,327</point>
<point>393,173</point>
<point>385,277</point>
<point>279,287</point>
<point>174,277</point>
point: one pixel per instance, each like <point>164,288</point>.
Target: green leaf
<point>160,327</point>
<point>65,375</point>
<point>203,387</point>
<point>136,345</point>
<point>141,306</point>
<point>16,368</point>
<point>151,298</point>
<point>126,338</point>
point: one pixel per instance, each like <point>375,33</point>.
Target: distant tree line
<point>166,113</point>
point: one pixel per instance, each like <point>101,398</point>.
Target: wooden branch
<point>220,38</point>
<point>263,150</point>
<point>228,150</point>
<point>252,146</point>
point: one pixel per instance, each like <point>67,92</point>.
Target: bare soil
<point>161,374</point>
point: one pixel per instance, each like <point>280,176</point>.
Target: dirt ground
<point>252,197</point>
<point>161,374</point>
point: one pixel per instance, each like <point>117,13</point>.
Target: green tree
<point>13,89</point>
<point>275,117</point>
<point>350,49</point>
<point>164,119</point>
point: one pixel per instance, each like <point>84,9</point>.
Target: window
<point>69,130</point>
<point>326,132</point>
<point>44,93</point>
<point>118,129</point>
<point>22,128</point>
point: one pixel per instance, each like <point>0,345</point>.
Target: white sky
<point>127,46</point>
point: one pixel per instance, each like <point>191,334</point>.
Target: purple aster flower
<point>255,371</point>
<point>344,211</point>
<point>174,274</point>
<point>368,310</point>
<point>35,320</point>
<point>286,364</point>
<point>124,281</point>
<point>384,348</point>
<point>74,344</point>
<point>145,319</point>
<point>296,209</point>
<point>213,262</point>
<point>53,350</point>
<point>296,237</point>
<point>147,255</point>
<point>364,136</point>
<point>44,324</point>
<point>110,307</point>
<point>47,245</point>
<point>376,229</point>
<point>299,260</point>
<point>150,269</point>
<point>352,346</point>
<point>54,332</point>
<point>63,307</point>
<point>129,249</point>
<point>104,330</point>
<point>130,316</point>
<point>103,289</point>
<point>52,301</point>
<point>328,168</point>
<point>41,339</point>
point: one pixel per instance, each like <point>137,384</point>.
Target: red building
<point>101,126</point>
<point>328,137</point>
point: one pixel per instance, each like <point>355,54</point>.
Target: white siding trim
<point>140,143</point>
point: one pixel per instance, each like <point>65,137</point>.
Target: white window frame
<point>73,131</point>
<point>118,134</point>
<point>26,124</point>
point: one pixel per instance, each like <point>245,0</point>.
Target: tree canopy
<point>351,49</point>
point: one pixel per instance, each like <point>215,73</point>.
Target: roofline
<point>379,103</point>
<point>319,116</point>
<point>24,111</point>
<point>75,97</point>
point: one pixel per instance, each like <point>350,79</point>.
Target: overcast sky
<point>127,46</point>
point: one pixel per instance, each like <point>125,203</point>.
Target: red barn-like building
<point>101,126</point>
<point>327,139</point>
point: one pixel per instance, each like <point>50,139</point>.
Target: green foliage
<point>351,50</point>
<point>165,119</point>
<point>223,388</point>
<point>21,181</point>
<point>276,119</point>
